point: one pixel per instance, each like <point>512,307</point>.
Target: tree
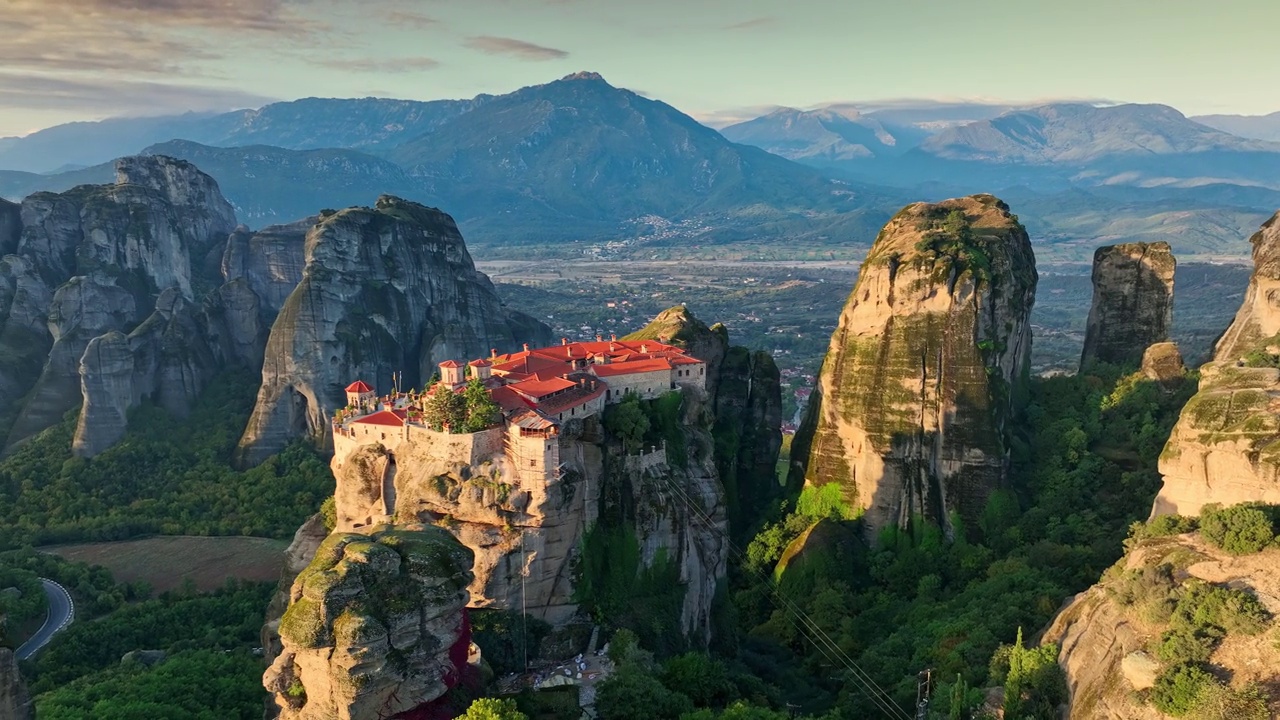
<point>481,410</point>
<point>632,694</point>
<point>1034,686</point>
<point>493,709</point>
<point>445,409</point>
<point>629,422</point>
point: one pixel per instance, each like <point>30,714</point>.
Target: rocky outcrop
<point>1162,362</point>
<point>10,227</point>
<point>92,261</point>
<point>1225,447</point>
<point>1106,634</point>
<point>384,289</point>
<point>15,703</point>
<point>166,358</point>
<point>926,367</point>
<point>745,387</point>
<point>1258,321</point>
<point>373,627</point>
<point>1132,302</point>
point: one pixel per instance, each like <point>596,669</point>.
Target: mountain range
<point>579,160</point>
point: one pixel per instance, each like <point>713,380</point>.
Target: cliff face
<point>384,289</point>
<point>528,536</point>
<point>1258,319</point>
<point>1108,635</point>
<point>926,366</point>
<point>1225,447</point>
<point>89,262</point>
<point>15,703</point>
<point>1132,302</point>
<point>373,627</point>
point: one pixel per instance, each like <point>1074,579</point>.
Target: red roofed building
<point>537,390</point>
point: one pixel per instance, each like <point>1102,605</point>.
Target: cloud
<point>387,65</point>
<point>409,18</point>
<point>118,97</point>
<point>492,45</point>
<point>270,15</point>
<point>753,23</point>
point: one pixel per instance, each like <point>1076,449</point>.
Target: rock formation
<point>166,358</point>
<point>1132,302</point>
<point>1105,642</point>
<point>1258,319</point>
<point>1162,362</point>
<point>926,367</point>
<point>15,703</point>
<point>89,262</point>
<point>374,626</point>
<point>1225,447</point>
<point>384,289</point>
<point>528,537</point>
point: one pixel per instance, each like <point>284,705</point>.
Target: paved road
<point>62,610</point>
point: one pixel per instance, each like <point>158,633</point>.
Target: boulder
<point>1132,302</point>
<point>926,368</point>
<point>1162,362</point>
<point>1140,669</point>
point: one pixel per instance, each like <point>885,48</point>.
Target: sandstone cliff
<point>384,289</point>
<point>926,367</point>
<point>1109,634</point>
<point>1258,319</point>
<point>373,627</point>
<point>15,703</point>
<point>89,262</point>
<point>1132,302</point>
<point>1225,447</point>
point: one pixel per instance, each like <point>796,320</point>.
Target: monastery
<point>538,391</point>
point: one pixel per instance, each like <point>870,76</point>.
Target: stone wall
<point>647,385</point>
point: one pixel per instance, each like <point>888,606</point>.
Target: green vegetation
<point>1240,529</point>
<point>190,685</point>
<point>229,619</point>
<point>505,637</point>
<point>493,709</point>
<point>166,476</point>
<point>1082,471</point>
<point>617,588</point>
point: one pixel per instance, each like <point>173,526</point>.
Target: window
<point>384,436</point>
<point>700,370</point>
<point>533,462</point>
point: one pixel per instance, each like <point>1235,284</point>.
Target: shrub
<point>1167,525</point>
<point>1240,529</point>
<point>1183,645</point>
<point>1178,689</point>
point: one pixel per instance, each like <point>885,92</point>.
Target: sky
<point>718,60</point>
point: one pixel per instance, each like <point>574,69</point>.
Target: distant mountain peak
<point>584,75</point>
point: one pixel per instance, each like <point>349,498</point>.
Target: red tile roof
<point>628,368</point>
<point>382,417</point>
<point>359,386</point>
<point>508,399</point>
<point>450,364</point>
<point>541,388</point>
<point>558,405</point>
<point>480,363</point>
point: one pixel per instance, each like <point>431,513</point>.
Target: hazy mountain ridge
<point>306,124</point>
<point>1257,127</point>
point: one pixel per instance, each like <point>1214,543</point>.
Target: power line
<point>822,642</point>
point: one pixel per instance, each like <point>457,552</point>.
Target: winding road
<point>62,610</point>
